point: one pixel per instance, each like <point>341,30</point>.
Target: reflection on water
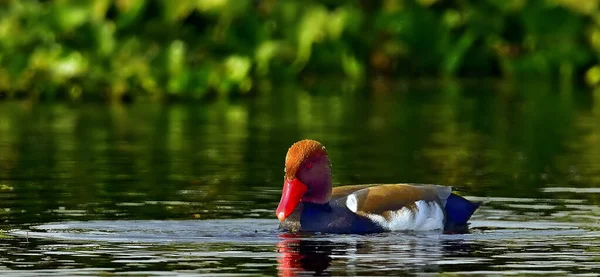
<point>151,189</point>
<point>487,252</point>
<point>530,243</point>
<point>309,256</point>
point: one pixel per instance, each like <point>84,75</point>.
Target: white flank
<point>427,216</point>
<point>352,203</point>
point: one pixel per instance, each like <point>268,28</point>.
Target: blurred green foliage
<point>194,49</point>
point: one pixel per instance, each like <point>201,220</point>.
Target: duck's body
<point>361,209</point>
<point>309,203</point>
<point>332,217</point>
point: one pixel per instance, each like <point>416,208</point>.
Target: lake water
<point>190,189</point>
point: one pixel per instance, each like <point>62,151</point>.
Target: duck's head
<point>307,177</point>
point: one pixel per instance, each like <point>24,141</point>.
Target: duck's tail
<point>458,212</point>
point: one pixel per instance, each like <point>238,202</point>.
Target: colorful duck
<point>310,203</point>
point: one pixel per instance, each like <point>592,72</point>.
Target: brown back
<point>377,199</point>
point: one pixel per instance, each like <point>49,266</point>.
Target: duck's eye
<point>309,165</point>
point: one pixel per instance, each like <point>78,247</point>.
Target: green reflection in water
<point>225,160</point>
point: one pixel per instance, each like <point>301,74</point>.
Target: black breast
<point>333,217</point>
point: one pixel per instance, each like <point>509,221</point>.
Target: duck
<point>310,203</point>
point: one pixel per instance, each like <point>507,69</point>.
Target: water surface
<point>190,189</point>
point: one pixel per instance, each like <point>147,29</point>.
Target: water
<point>190,189</point>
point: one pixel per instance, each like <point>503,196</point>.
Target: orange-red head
<point>307,177</point>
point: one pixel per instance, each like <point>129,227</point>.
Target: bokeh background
<point>115,50</point>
